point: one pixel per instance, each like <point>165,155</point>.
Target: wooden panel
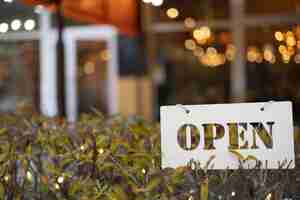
<point>127,96</point>
<point>135,97</point>
<point>147,98</point>
<point>270,6</point>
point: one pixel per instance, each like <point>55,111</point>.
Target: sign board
<point>263,131</point>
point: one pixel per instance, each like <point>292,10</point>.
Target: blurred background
<point>132,56</point>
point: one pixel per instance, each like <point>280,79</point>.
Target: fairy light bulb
<point>29,175</point>
<point>157,2</point>
<point>56,186</point>
<point>172,13</point>
<point>279,36</point>
<point>60,179</point>
<point>144,171</point>
<point>101,151</point>
<point>16,24</point>
<point>190,22</point>
<point>190,44</point>
<point>6,178</point>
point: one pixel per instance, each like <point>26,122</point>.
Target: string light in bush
<point>56,186</point>
<point>101,151</point>
<point>153,162</point>
<point>191,198</point>
<point>82,147</point>
<point>6,178</point>
<point>269,196</point>
<point>29,175</point>
<point>60,179</point>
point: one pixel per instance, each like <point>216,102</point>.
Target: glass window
<point>19,76</point>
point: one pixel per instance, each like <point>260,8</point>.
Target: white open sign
<point>258,130</point>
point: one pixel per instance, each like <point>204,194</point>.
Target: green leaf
<point>3,131</point>
<point>2,192</point>
<point>3,157</point>
<point>204,190</point>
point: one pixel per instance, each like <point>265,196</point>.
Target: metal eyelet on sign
<point>263,108</point>
<point>187,111</point>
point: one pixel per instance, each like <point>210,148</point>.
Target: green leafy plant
<point>114,159</point>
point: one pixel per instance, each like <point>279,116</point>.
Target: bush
<point>113,159</point>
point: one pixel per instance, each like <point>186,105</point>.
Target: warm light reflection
<point>268,53</point>
<point>190,22</point>
<point>290,51</point>
<point>286,58</point>
<point>202,33</point>
<point>198,52</point>
<point>230,52</point>
<point>190,44</point>
<point>297,58</point>
<point>212,58</point>
<point>253,54</point>
<point>282,49</point>
<point>172,13</point>
<point>105,55</point>
<point>89,68</point>
<point>211,50</point>
<point>291,41</point>
<point>259,58</point>
<point>279,36</point>
<point>202,42</point>
<point>269,196</point>
<point>157,2</point>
